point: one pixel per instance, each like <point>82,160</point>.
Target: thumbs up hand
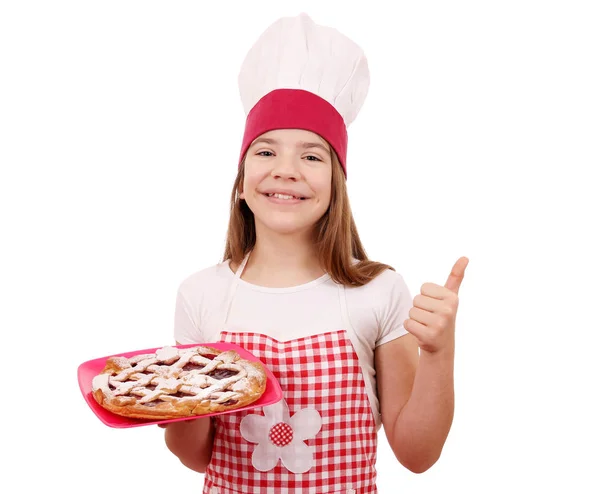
<point>433,315</point>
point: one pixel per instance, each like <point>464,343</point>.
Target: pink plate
<point>87,371</point>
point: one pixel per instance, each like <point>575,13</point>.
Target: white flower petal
<point>306,423</point>
<point>265,456</point>
<point>297,457</point>
<point>255,428</point>
<point>277,412</point>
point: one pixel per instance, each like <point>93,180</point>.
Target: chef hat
<point>301,75</point>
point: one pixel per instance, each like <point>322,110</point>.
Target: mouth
<point>284,197</point>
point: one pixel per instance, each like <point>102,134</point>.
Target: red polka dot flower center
<point>281,434</point>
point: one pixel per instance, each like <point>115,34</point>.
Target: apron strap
<point>240,269</point>
<point>357,341</point>
<point>232,289</point>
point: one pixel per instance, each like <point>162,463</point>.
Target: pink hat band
<point>297,109</point>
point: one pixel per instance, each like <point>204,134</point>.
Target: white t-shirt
<point>376,312</point>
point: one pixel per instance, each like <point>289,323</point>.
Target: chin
<point>285,228</point>
<point>288,226</point>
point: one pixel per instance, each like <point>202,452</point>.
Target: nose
<point>284,166</point>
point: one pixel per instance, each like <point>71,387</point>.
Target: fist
<point>433,315</point>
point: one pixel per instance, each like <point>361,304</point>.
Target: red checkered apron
<point>320,376</point>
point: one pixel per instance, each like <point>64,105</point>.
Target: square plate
<point>87,370</point>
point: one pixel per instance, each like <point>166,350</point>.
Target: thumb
<point>457,274</point>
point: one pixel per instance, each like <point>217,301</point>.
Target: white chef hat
<point>301,75</point>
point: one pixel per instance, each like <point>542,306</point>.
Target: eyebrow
<point>302,144</point>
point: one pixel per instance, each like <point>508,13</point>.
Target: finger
<point>415,328</point>
<point>422,316</point>
<point>429,304</point>
<point>434,291</point>
<point>457,274</point>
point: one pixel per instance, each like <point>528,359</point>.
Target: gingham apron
<point>329,444</point>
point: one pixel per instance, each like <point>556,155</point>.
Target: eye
<point>310,158</point>
<point>265,153</point>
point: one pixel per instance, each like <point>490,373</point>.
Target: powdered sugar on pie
<point>178,382</point>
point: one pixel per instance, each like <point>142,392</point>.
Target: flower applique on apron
<point>320,438</point>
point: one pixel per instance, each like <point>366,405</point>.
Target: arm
<point>417,391</point>
<point>417,401</point>
<point>191,441</point>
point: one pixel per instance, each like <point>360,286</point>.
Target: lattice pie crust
<point>178,382</point>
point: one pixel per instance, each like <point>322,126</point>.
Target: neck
<point>282,260</point>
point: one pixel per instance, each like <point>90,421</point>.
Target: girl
<point>341,333</point>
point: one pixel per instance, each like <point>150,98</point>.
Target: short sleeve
<point>186,330</point>
<point>394,311</point>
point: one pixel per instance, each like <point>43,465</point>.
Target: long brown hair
<point>335,234</point>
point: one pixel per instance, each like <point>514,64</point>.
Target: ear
<point>241,194</point>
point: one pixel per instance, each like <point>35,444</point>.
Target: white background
<point>120,127</point>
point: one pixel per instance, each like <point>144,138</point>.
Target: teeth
<point>282,196</point>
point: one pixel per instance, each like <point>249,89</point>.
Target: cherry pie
<point>178,382</point>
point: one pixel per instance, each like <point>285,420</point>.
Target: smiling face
<point>287,180</point>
